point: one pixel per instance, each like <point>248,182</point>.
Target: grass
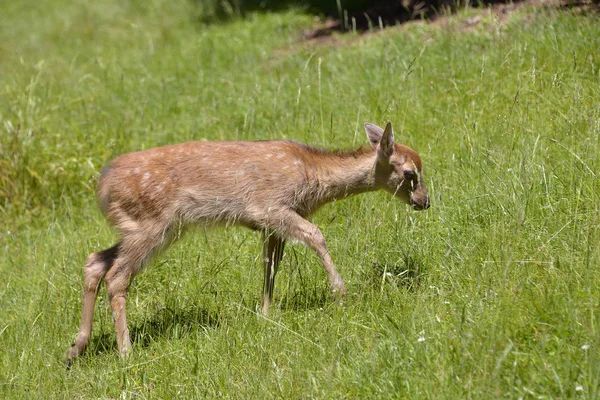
<point>491,293</point>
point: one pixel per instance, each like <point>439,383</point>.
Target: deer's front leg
<point>296,227</point>
<point>272,253</point>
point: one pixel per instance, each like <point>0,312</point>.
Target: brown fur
<point>271,186</point>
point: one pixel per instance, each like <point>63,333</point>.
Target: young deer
<point>270,186</point>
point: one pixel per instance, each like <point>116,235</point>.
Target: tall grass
<point>493,292</point>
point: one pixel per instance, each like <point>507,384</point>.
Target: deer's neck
<point>339,175</point>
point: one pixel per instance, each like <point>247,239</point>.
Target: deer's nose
<point>427,204</point>
<point>420,206</point>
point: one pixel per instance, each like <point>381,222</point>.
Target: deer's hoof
<point>337,286</point>
<point>72,353</point>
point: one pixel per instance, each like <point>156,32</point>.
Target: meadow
<point>491,293</point>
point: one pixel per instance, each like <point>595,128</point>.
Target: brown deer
<point>270,186</point>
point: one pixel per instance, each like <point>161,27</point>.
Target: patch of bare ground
<point>371,23</point>
<point>490,17</point>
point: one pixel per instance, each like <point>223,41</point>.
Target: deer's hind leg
<point>96,267</point>
<point>117,266</point>
<point>272,253</point>
<point>135,250</point>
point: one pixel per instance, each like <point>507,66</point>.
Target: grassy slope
<point>492,292</point>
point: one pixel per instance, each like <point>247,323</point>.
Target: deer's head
<point>397,168</point>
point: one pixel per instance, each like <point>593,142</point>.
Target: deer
<point>270,186</point>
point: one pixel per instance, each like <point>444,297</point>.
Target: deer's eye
<point>409,174</point>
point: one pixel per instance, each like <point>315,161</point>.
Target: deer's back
<point>210,181</point>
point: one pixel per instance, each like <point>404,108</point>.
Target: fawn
<point>269,186</point>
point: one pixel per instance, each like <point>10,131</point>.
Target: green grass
<point>491,293</point>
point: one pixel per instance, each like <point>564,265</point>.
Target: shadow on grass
<point>408,273</point>
<point>169,323</point>
<point>164,323</point>
<point>302,300</point>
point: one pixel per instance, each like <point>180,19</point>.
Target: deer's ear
<point>386,145</point>
<point>382,140</point>
<point>374,134</point>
